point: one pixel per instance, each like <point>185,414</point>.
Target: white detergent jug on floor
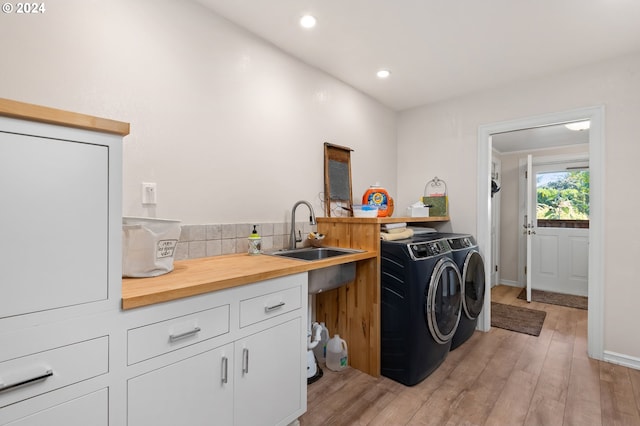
<point>337,354</point>
<point>320,351</point>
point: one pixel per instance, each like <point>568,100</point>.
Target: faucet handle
<point>299,237</point>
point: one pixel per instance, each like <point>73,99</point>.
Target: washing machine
<point>469,261</point>
<point>421,304</point>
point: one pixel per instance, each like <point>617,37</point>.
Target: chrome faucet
<point>312,220</point>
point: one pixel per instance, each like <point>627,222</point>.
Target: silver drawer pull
<point>274,307</point>
<point>225,370</point>
<point>8,386</point>
<point>174,337</point>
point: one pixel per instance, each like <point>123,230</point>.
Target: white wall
<point>230,128</point>
<point>441,139</point>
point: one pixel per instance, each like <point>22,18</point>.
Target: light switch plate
<point>149,191</point>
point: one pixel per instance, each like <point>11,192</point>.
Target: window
<point>563,198</point>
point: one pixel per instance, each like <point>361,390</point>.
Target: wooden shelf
<point>383,220</point>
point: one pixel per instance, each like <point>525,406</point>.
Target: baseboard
<point>511,283</point>
<point>621,359</point>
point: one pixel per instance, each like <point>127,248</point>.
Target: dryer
<point>469,261</point>
<point>421,303</point>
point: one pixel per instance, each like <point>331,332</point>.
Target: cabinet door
<point>53,222</point>
<point>269,375</point>
<point>195,391</point>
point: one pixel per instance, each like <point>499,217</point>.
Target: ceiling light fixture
<point>578,125</point>
<point>308,21</point>
<point>383,73</point>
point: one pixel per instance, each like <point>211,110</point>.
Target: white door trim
<point>495,202</point>
<point>595,345</point>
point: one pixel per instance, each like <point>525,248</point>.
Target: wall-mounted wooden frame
<point>337,176</point>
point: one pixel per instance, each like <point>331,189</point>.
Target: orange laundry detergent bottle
<point>379,197</point>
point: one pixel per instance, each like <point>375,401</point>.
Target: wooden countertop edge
<point>383,220</point>
<point>31,112</point>
<point>199,276</point>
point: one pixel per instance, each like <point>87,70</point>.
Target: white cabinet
<point>54,223</point>
<point>194,391</point>
<point>268,375</point>
<point>60,278</point>
<point>240,362</point>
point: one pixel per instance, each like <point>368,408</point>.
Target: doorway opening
<point>596,247</point>
<point>558,224</point>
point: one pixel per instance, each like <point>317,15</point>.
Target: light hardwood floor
<point>495,378</point>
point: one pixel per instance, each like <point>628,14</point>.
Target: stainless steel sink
<point>328,278</point>
<point>315,253</point>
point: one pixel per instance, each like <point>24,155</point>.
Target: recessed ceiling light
<point>579,125</point>
<point>383,73</point>
<point>308,21</point>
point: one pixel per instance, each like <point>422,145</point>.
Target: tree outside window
<point>563,196</point>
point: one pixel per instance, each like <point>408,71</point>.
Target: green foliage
<point>564,198</point>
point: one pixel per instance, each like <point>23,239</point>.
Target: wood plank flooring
<point>495,378</point>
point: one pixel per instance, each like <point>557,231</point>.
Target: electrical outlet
<point>149,193</point>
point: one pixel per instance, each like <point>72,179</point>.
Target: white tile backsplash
<point>229,246</point>
<point>197,249</point>
<point>214,247</point>
<point>228,238</point>
<point>214,232</point>
<point>228,230</point>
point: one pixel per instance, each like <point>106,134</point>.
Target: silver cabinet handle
<point>273,307</point>
<point>8,386</point>
<point>174,337</point>
<point>225,370</point>
<point>245,361</point>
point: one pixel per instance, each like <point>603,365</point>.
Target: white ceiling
<point>439,49</point>
<point>538,138</point>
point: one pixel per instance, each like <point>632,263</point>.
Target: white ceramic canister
<point>337,354</point>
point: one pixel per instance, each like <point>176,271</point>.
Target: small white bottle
<point>255,242</point>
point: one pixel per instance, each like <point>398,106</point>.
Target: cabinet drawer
<point>41,372</point>
<point>269,305</point>
<point>91,409</point>
<point>156,339</point>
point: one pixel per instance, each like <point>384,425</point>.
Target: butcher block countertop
<point>198,276</point>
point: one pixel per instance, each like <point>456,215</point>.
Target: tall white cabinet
<point>60,273</point>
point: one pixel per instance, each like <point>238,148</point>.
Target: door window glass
<point>562,198</point>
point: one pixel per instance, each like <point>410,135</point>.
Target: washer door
<point>473,276</point>
<point>443,303</point>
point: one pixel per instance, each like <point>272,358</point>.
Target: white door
<point>528,223</point>
<point>559,228</point>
